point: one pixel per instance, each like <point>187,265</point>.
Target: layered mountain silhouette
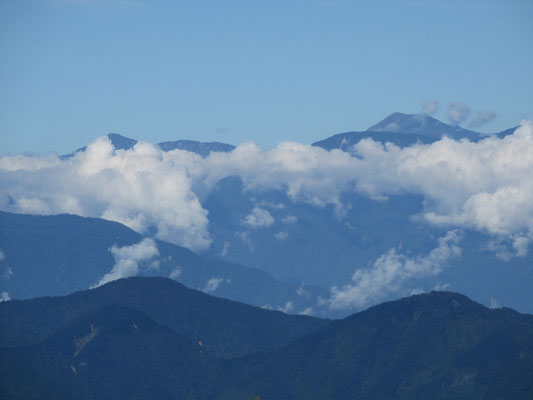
<point>59,254</point>
<point>102,343</point>
<point>225,328</point>
<point>290,263</point>
<point>120,142</point>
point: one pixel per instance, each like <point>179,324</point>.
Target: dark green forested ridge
<point>439,345</point>
<point>226,328</point>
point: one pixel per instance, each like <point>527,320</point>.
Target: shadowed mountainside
<point>439,345</point>
<point>226,328</point>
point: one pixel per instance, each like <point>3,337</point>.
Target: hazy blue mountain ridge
<point>314,247</point>
<point>120,142</point>
<point>404,130</point>
<point>60,254</point>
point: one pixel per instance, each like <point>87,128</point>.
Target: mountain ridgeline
<point>405,130</point>
<point>59,254</point>
<point>153,338</point>
<point>203,149</point>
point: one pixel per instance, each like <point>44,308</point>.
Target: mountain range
<point>405,130</point>
<point>58,254</point>
<point>202,148</point>
<point>92,309</point>
<point>154,338</point>
<point>288,264</point>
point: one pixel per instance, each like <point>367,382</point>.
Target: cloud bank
<point>486,186</point>
<point>138,188</point>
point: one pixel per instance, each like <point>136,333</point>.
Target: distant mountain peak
<point>421,124</point>
<point>120,142</point>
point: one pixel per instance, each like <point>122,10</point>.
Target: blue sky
<point>267,71</point>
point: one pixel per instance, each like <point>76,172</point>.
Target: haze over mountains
<point>56,255</point>
<point>412,205</point>
<point>432,213</point>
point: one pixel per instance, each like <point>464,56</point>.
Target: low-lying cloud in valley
<point>486,186</point>
<point>128,260</point>
<point>390,271</point>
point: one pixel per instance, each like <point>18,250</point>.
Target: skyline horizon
<point>172,138</point>
<point>267,72</point>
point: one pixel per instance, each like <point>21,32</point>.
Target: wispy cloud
<point>430,107</point>
<point>176,273</point>
<point>458,112</point>
<point>494,303</point>
<point>213,284</point>
<point>128,260</point>
<point>258,218</point>
<point>481,118</point>
<point>281,236</point>
<point>389,273</point>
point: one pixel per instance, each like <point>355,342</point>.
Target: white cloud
<point>507,248</point>
<point>225,249</point>
<point>281,236</point>
<point>389,272</point>
<point>486,186</point>
<point>520,244</point>
<point>28,163</point>
<point>287,308</point>
<point>481,118</point>
<point>141,188</point>
<point>268,204</point>
<point>2,255</point>
<point>4,297</point>
<point>494,303</point>
<point>458,112</point>
<point>175,274</point>
<point>289,219</point>
<point>128,260</point>
<point>8,272</point>
<point>302,292</point>
<point>245,237</point>
<point>430,107</point>
<point>441,286</point>
<point>258,218</point>
<point>213,284</point>
<point>307,311</point>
